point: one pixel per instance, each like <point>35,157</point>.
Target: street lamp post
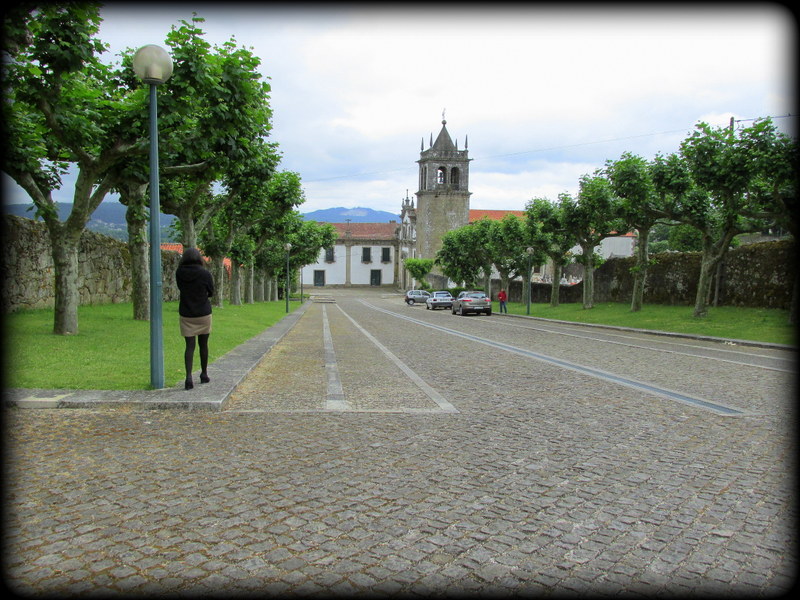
<point>153,66</point>
<point>288,247</point>
<point>529,251</point>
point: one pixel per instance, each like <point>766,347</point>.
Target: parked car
<point>439,300</point>
<point>414,296</point>
<point>467,302</point>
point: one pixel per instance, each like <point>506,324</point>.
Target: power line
<point>548,149</point>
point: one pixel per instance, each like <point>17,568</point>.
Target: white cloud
<point>545,94</point>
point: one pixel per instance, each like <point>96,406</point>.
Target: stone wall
<point>104,274</point>
<point>754,275</point>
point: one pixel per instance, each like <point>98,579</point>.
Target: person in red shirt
<point>502,298</point>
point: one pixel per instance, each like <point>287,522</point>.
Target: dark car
<point>439,300</point>
<point>414,296</point>
<point>476,302</point>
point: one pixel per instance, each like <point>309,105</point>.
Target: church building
<point>372,254</point>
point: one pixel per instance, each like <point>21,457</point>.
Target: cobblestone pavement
<point>382,454</point>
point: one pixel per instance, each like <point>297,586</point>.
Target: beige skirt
<point>192,326</point>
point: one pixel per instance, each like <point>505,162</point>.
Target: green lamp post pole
<point>153,66</point>
<point>529,251</point>
<point>288,247</point>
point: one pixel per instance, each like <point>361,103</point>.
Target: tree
<point>509,241</point>
<point>546,223</point>
<point>59,110</point>
<point>631,180</point>
<point>724,169</point>
<point>463,256</point>
<point>307,240</point>
<point>419,269</point>
<point>276,222</point>
<point>216,119</point>
<point>592,217</point>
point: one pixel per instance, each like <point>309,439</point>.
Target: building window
<point>386,255</point>
<point>329,255</point>
<point>366,255</point>
<point>441,177</point>
<point>454,174</point>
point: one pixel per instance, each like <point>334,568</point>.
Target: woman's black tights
<point>188,358</point>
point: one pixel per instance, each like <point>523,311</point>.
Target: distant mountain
<point>355,215</point>
<point>108,219</point>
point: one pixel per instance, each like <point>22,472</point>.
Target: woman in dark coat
<point>196,286</point>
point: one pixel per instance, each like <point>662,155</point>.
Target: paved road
<point>385,449</point>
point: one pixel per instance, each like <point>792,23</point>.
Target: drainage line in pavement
<point>712,406</point>
<point>440,400</point>
<point>335,399</point>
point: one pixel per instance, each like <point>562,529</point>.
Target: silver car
<point>414,296</point>
<point>439,300</point>
<point>467,302</point>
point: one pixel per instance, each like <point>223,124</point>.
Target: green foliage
<point>547,228</point>
<point>419,269</point>
<point>463,254</point>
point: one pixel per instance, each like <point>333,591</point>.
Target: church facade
<point>372,254</point>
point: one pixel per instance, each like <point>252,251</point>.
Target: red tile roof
<point>179,249</point>
<point>367,231</point>
<point>476,214</point>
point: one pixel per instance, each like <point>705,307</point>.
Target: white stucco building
<point>365,254</point>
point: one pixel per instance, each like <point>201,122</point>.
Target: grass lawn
<point>112,351</point>
<point>756,324</point>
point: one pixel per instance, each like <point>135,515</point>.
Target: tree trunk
<point>186,216</point>
<point>218,273</point>
<point>249,275</point>
<point>588,276</point>
<point>236,291</point>
<point>65,249</point>
<point>640,273</point>
<point>707,264</point>
<point>258,286</point>
<point>713,253</point>
<point>134,198</point>
<point>588,284</point>
<point>556,284</point>
<point>65,241</point>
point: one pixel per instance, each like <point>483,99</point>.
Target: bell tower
<point>443,195</point>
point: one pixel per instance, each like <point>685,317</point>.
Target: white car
<point>439,300</point>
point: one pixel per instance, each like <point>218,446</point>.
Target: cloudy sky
<point>542,93</point>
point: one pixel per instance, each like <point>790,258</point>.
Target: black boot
<point>188,383</point>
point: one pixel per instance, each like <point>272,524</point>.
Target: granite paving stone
<point>542,480</point>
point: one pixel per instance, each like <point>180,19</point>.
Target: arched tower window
<point>441,175</point>
<point>454,176</point>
